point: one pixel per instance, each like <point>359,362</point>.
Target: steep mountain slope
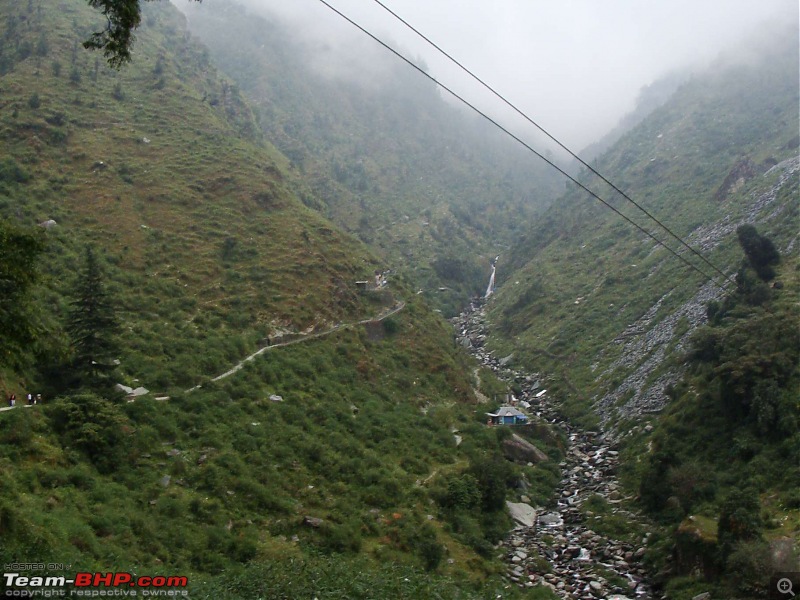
<point>596,298</point>
<point>697,384</point>
<point>434,191</point>
<point>203,236</point>
<point>338,444</point>
<point>650,98</point>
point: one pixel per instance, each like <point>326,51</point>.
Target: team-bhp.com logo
<point>94,585</point>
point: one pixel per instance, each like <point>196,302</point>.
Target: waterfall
<point>490,289</point>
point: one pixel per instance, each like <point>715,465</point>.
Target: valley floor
<point>572,547</point>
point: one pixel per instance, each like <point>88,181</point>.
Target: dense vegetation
<point>433,191</point>
<point>586,285</point>
<point>724,461</point>
<point>620,323</point>
<point>172,246</point>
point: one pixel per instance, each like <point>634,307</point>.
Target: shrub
<point>94,425</point>
<point>739,519</point>
<point>493,476</point>
<point>429,549</point>
<point>462,492</point>
<point>12,172</point>
<point>341,538</point>
<point>749,567</point>
<point>760,251</point>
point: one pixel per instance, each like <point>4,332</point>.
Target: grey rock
<point>519,449</point>
<point>551,519</point>
<point>522,513</point>
<point>314,522</point>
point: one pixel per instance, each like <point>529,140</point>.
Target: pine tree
<point>92,325</point>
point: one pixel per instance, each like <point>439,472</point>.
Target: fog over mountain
<point>576,67</point>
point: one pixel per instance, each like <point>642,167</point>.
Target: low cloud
<point>575,66</point>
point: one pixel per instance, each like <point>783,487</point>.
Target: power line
<point>551,137</point>
<point>523,143</point>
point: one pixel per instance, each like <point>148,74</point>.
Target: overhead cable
<point>523,143</point>
<point>550,136</point>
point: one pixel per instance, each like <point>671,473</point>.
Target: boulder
<point>696,547</point>
<point>314,522</point>
<point>524,514</point>
<point>783,554</point>
<point>521,450</point>
<point>551,519</point>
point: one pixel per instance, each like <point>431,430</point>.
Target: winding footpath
<point>295,340</point>
<point>561,551</point>
<point>305,338</point>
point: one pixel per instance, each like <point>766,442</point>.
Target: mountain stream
<point>560,550</point>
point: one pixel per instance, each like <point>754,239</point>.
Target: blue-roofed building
<point>507,415</point>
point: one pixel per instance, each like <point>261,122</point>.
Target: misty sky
<point>575,66</point>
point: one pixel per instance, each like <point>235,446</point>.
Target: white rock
<point>522,513</point>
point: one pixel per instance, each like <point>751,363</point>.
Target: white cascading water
<point>490,289</point>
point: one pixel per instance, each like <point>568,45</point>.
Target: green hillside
<point>330,455</point>
<point>585,287</point>
<point>698,384</point>
<point>433,190</point>
<point>201,236</point>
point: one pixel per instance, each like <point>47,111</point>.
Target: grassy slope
<point>207,251</point>
<point>584,279</point>
<point>202,237</point>
<point>426,187</point>
<point>582,275</point>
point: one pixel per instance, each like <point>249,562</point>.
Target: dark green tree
<point>93,425</point>
<point>494,475</point>
<point>739,519</point>
<point>116,40</point>
<point>759,250</point>
<point>92,325</point>
<point>19,253</point>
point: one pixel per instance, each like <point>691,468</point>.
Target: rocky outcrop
<point>696,548</point>
<point>644,351</point>
<point>646,341</point>
<point>708,237</point>
<point>741,173</point>
<point>521,450</point>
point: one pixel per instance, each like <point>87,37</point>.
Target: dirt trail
<point>304,338</point>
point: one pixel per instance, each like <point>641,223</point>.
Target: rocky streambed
<point>557,546</point>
